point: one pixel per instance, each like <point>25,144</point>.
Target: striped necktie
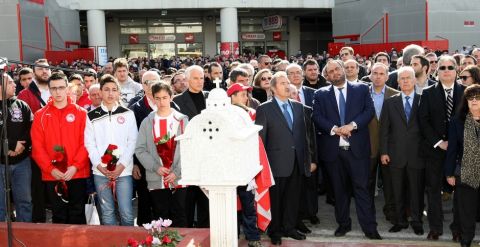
<point>449,103</point>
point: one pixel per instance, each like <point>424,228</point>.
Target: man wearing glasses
<point>264,62</point>
<point>432,59</point>
<point>59,128</point>
<point>437,107</point>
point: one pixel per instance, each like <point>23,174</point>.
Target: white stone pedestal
<point>223,216</point>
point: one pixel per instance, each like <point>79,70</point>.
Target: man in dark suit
<point>285,139</point>
<point>400,140</point>
<point>347,53</point>
<point>380,92</point>
<point>295,76</point>
<point>437,106</point>
<point>191,103</point>
<point>341,113</point>
<point>408,52</point>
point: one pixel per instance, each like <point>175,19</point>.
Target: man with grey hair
<point>476,55</point>
<point>295,75</point>
<point>433,61</point>
<point>400,140</point>
<point>250,71</point>
<point>282,65</point>
<point>351,70</point>
<point>285,138</point>
<point>191,103</point>
<point>438,105</point>
<point>380,92</point>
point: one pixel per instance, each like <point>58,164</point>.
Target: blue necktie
<point>287,116</point>
<point>342,105</point>
<point>408,108</point>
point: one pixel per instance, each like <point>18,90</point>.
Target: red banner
<point>189,38</point>
<point>277,36</point>
<point>42,2</point>
<point>229,49</point>
<point>133,39</point>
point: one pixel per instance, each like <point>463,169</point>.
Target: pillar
<point>229,32</point>
<point>293,35</point>
<point>223,215</point>
<point>97,34</point>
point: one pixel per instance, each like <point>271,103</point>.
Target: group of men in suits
<point>356,127</point>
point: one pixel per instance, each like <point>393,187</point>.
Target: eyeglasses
<point>446,67</point>
<point>56,89</point>
<point>266,78</point>
<point>464,77</point>
<point>474,97</point>
<point>432,62</point>
<point>344,54</point>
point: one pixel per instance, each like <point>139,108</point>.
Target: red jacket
<point>84,100</point>
<point>52,126</point>
<point>31,96</point>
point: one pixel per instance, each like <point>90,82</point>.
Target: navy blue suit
<point>347,166</point>
<point>308,93</point>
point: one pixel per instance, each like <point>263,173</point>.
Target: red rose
<point>166,239</point>
<point>58,157</point>
<point>132,242</point>
<point>106,158</point>
<point>149,240</point>
<point>111,166</point>
<point>112,147</point>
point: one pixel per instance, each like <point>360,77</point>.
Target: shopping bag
<point>91,213</point>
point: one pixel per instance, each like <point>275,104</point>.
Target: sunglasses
<point>344,54</point>
<point>464,77</point>
<point>266,78</point>
<point>474,97</point>
<point>446,67</point>
<point>432,62</point>
<point>149,82</point>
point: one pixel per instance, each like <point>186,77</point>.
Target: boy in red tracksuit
<point>58,149</point>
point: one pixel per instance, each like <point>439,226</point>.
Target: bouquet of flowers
<point>109,161</point>
<point>60,161</point>
<point>162,140</point>
<point>159,235</point>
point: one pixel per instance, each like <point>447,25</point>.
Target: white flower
<point>116,152</point>
<point>167,223</point>
<point>147,226</point>
<point>103,165</point>
<point>156,241</point>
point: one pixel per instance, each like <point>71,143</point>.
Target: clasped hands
<point>167,173</point>
<point>58,175</point>
<point>345,131</point>
<point>18,149</point>
<point>111,174</point>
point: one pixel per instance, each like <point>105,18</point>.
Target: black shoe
<point>342,230</point>
<point>314,220</point>
<point>465,244</point>
<point>295,235</point>
<point>330,201</point>
<point>303,228</point>
<point>397,228</point>
<point>276,241</point>
<point>418,230</point>
<point>373,235</point>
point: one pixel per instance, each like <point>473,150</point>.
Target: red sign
<point>133,39</point>
<point>42,2</point>
<point>189,38</point>
<point>272,22</point>
<point>469,23</point>
<point>229,49</point>
<point>277,36</point>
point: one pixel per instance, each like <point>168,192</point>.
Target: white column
<point>223,215</point>
<point>293,35</point>
<point>97,34</point>
<point>229,25</point>
<point>210,36</point>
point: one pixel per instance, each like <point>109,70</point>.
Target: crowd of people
<point>336,124</point>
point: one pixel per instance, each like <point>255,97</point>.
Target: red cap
<point>236,87</point>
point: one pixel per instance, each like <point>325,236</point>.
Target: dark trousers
<point>196,199</point>
<point>433,187</point>
<point>467,203</point>
<point>455,225</point>
<point>144,210</point>
<point>411,180</point>
<point>348,170</point>
<point>72,212</point>
<point>38,195</point>
<point>248,214</point>
<point>170,204</point>
<point>285,201</point>
<point>309,196</point>
<point>389,207</point>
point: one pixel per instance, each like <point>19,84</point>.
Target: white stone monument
<point>219,151</point>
